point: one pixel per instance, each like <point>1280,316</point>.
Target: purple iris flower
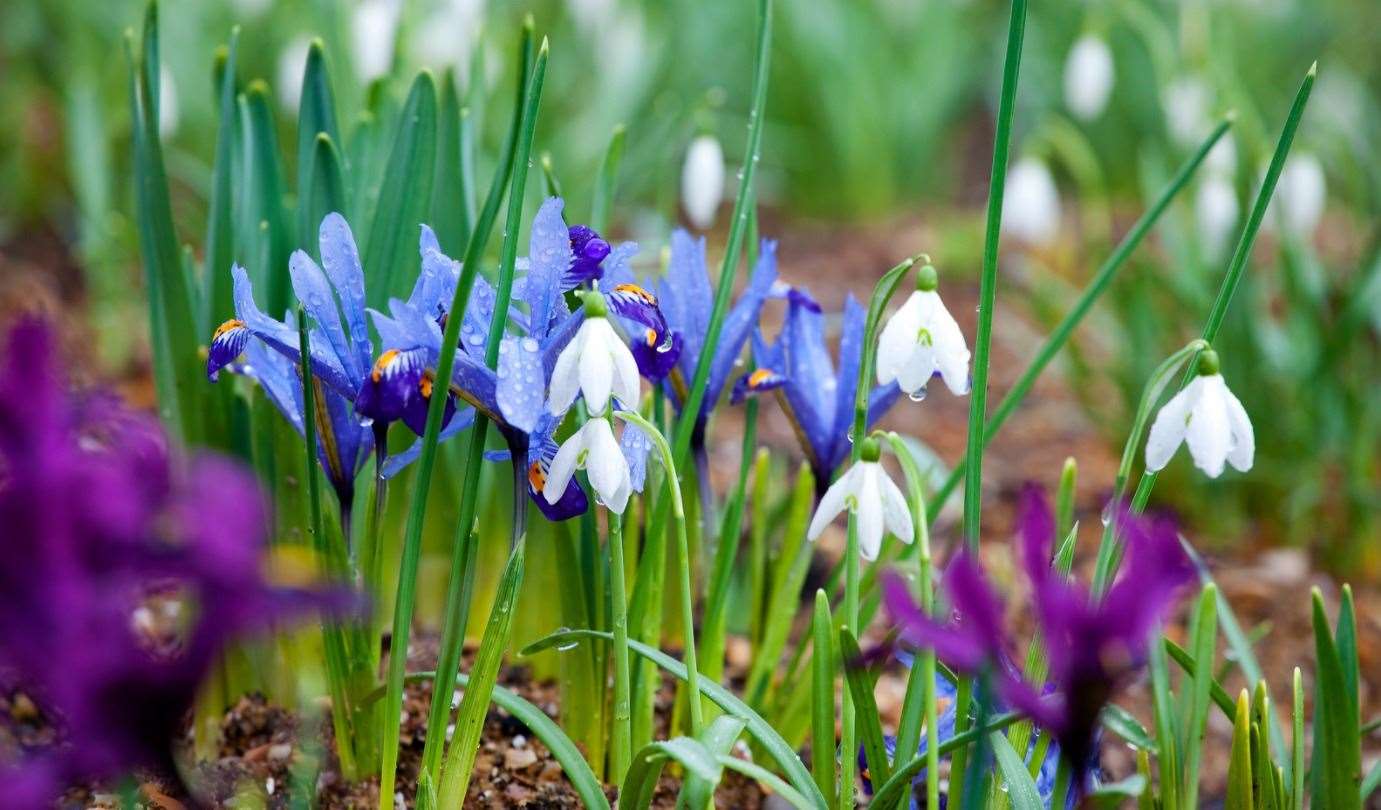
<point>1094,646</point>
<point>127,572</point>
<point>514,395</point>
<point>687,299</point>
<point>340,351</point>
<point>818,400</point>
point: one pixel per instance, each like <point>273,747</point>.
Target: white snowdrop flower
<point>1088,77</point>
<point>1216,210</point>
<point>1031,207</point>
<point>1222,158</point>
<point>169,114</point>
<point>1207,417</point>
<point>446,37</point>
<point>594,449</point>
<point>920,339</point>
<point>1300,195</point>
<point>1186,109</point>
<point>868,492</point>
<point>292,64</point>
<point>596,363</point>
<point>373,30</point>
<point>702,181</point>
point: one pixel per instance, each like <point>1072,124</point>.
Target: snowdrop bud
<point>702,181</point>
<point>292,64</point>
<point>1186,109</point>
<point>1208,418</point>
<point>1031,208</point>
<point>446,37</point>
<point>1222,158</point>
<point>1300,195</point>
<point>373,29</point>
<point>168,112</point>
<point>1088,77</point>
<point>1215,209</point>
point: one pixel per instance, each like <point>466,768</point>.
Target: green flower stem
<point>1108,555</point>
<point>406,599</point>
<point>459,591</point>
<point>678,512</point>
<point>333,641</point>
<point>621,747</point>
<point>922,679</point>
<point>1238,264</point>
<point>1065,329</point>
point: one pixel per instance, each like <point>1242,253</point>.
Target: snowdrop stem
<point>621,752</point>
<point>678,512</point>
<point>1244,246</point>
<point>1160,378</point>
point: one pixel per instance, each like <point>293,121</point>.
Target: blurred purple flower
<point>1094,645</point>
<point>126,571</point>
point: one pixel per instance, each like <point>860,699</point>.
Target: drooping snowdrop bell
<point>1207,417</point>
<point>1088,77</point>
<point>702,181</point>
<point>921,339</point>
<point>869,493</point>
<point>594,449</point>
<point>596,363</point>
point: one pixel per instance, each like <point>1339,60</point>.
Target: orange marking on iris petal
<point>651,338</point>
<point>759,377</point>
<point>425,385</point>
<point>634,289</point>
<point>233,323</point>
<point>536,478</point>
<point>385,360</point>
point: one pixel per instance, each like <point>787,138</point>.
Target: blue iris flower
<point>333,295</point>
<point>818,399</point>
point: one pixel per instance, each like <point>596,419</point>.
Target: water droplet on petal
<point>919,394</point>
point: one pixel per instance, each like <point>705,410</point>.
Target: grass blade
<point>1020,787</point>
<point>316,116</point>
<point>220,232</point>
<point>822,744</point>
<point>1205,634</point>
<point>608,180</point>
<point>1095,289</point>
<point>1239,795</point>
<point>406,194</point>
<point>718,738</point>
<point>1336,766</point>
<point>869,724</point>
<point>893,790</point>
<point>450,219</point>
<point>700,764</point>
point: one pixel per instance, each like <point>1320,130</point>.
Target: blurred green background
<point>878,112</point>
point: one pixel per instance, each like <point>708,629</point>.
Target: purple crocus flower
<point>106,534</point>
<point>340,351</point>
<point>1094,645</point>
<point>818,400</point>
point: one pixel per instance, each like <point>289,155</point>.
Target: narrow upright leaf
<point>316,116</point>
<point>405,196</point>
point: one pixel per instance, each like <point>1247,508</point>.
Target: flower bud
<point>1088,77</point>
<point>702,181</point>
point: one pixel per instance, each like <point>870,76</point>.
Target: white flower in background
<point>292,64</point>
<point>169,115</point>
<point>446,38</point>
<point>920,339</point>
<point>249,9</point>
<point>596,363</point>
<point>593,449</point>
<point>1215,210</point>
<point>702,181</point>
<point>1222,158</point>
<point>373,30</point>
<point>869,493</point>
<point>1300,195</point>
<point>1207,417</point>
<point>1088,77</point>
<point>1031,207</point>
<point>1186,109</point>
